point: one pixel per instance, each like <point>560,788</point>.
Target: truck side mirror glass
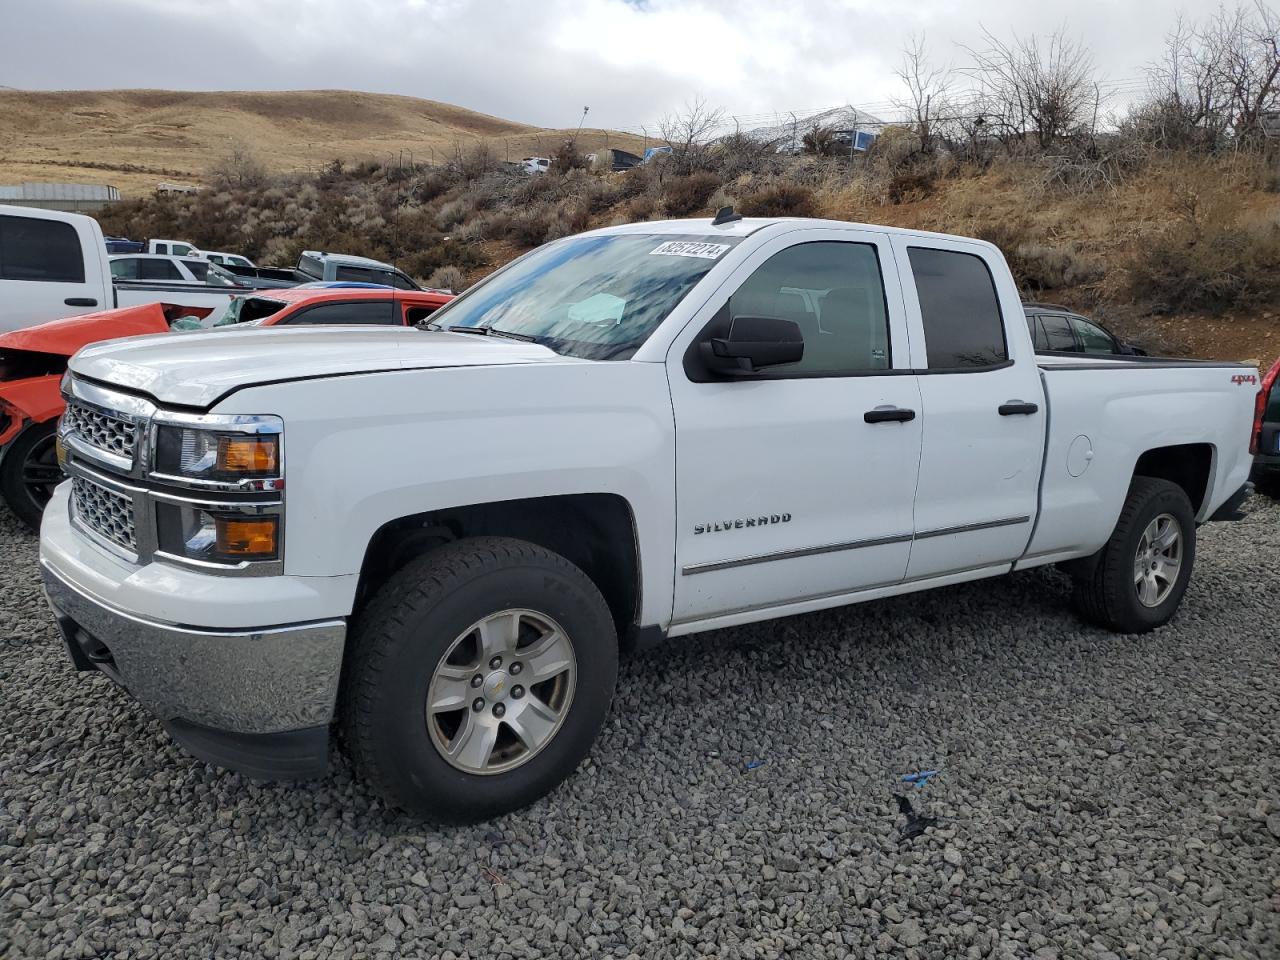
<point>753,343</point>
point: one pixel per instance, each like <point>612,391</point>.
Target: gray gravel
<point>1100,796</point>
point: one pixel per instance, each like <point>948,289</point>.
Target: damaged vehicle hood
<point>196,370</point>
<point>65,337</point>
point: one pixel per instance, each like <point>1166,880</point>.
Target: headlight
<point>217,458</point>
<point>208,534</point>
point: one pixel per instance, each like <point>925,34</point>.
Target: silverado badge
<point>764,520</point>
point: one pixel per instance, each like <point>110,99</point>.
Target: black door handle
<point>1016,408</point>
<point>889,415</point>
<point>80,302</point>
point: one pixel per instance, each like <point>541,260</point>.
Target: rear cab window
<point>40,250</point>
<point>960,310</point>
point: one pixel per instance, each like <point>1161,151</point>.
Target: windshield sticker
<point>690,248</point>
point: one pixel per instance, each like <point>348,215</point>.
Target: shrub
<point>447,278</point>
<point>682,196</point>
<point>1221,269</point>
<point>779,200</point>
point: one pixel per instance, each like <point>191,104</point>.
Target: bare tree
<point>1035,86</point>
<point>689,132</point>
<point>1216,80</point>
<point>239,167</point>
<point>928,99</point>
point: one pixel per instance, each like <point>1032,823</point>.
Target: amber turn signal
<point>248,455</point>
<point>250,539</point>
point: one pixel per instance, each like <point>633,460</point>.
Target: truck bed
<point>1104,410</point>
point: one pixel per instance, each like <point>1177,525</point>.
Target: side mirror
<point>753,343</point>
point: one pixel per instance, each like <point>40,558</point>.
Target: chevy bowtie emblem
<point>741,523</point>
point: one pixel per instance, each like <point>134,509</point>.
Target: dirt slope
<point>134,139</point>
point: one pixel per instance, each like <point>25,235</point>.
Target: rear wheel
<point>479,677</point>
<point>30,471</point>
<point>1142,572</point>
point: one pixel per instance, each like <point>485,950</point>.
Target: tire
<point>1110,594</point>
<point>29,458</point>
<point>402,643</point>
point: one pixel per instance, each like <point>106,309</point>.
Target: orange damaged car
<point>33,360</point>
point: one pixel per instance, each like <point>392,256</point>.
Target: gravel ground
<point>1099,796</point>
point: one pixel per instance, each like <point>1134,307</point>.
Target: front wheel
<point>479,677</point>
<point>1142,572</point>
<point>30,471</point>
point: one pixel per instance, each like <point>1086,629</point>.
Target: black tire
<point>1268,486</point>
<point>29,458</point>
<point>410,625</point>
<point>1107,595</point>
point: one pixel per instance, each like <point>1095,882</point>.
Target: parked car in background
<point>535,164</point>
<point>316,265</point>
<point>1265,441</point>
<point>1056,329</point>
<point>173,248</point>
<point>150,266</point>
<point>55,264</point>
<point>32,362</point>
<point>124,245</point>
<point>227,259</point>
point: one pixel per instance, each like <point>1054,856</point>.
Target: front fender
<point>24,402</point>
<point>365,450</point>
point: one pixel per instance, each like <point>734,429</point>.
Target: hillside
<point>134,139</point>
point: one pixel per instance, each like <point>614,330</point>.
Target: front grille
<point>101,431</point>
<point>105,512</point>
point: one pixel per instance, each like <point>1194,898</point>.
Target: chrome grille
<point>105,512</point>
<point>100,430</point>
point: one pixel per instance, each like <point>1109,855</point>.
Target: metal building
<point>71,197</point>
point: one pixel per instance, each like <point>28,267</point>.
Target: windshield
<point>593,297</point>
<point>219,277</point>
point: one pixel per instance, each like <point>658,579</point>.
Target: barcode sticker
<point>690,248</point>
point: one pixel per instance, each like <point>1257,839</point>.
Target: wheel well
<point>594,531</point>
<point>1187,465</point>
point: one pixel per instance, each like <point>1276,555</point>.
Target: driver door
<point>795,486</point>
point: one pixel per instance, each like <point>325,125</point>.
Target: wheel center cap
<point>496,685</point>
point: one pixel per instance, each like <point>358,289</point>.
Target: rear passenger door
<point>983,412</point>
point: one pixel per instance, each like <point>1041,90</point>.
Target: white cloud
<point>541,61</point>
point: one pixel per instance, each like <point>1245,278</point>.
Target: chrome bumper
<point>266,681</point>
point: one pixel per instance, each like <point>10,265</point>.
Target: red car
<point>33,360</point>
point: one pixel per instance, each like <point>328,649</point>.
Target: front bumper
<point>258,701</point>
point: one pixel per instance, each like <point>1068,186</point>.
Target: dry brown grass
<point>134,139</point>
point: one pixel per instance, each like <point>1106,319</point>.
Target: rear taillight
<point>1260,406</point>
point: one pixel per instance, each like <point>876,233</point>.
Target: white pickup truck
<point>55,265</point>
<point>438,541</point>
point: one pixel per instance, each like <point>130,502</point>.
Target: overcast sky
<point>541,61</point>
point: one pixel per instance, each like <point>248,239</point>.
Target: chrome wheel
<point>501,692</point>
<point>1158,560</point>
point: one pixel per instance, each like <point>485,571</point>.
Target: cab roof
<point>426,298</point>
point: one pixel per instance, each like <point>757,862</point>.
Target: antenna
<point>725,215</point>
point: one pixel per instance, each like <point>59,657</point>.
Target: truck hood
<point>196,370</point>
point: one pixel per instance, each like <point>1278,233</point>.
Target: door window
<point>126,269</point>
<point>1058,335</point>
<point>1093,338</point>
<point>363,312</point>
<point>199,268</point>
<point>833,291</point>
<point>156,269</point>
<point>963,327</point>
<point>33,249</point>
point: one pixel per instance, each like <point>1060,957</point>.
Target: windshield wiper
<point>495,332</point>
